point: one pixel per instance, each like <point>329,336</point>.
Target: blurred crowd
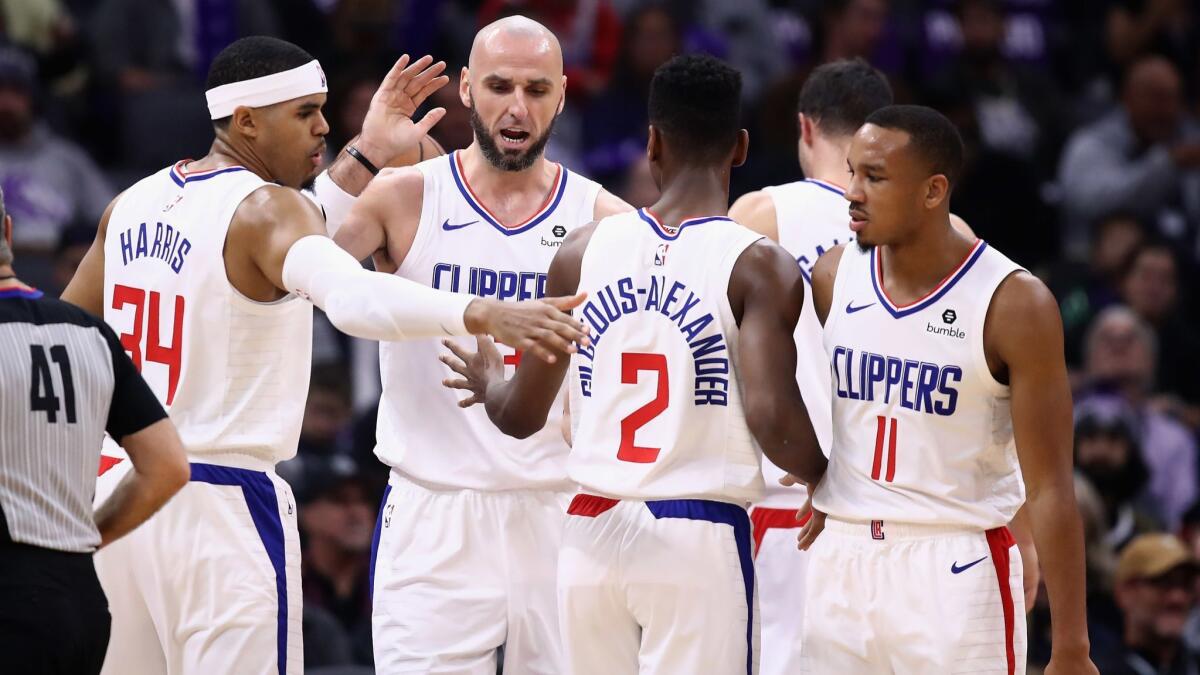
<point>1080,118</point>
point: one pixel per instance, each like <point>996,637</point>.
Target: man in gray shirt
<point>1141,159</point>
<point>66,381</point>
<point>49,182</point>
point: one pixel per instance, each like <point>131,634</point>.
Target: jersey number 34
<point>146,325</point>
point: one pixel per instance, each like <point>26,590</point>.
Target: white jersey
<point>461,247</point>
<point>812,217</point>
<point>656,404</point>
<point>232,372</point>
<point>922,431</point>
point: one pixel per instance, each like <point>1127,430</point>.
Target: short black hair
<point>251,57</point>
<point>930,133</point>
<point>840,95</point>
<point>696,103</point>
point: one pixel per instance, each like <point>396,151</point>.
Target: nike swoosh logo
<point>955,569</point>
<point>448,227</point>
<point>850,308</point>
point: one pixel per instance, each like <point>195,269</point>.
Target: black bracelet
<point>353,152</point>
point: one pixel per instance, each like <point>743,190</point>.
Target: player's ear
<point>464,87</point>
<point>8,230</point>
<point>243,120</point>
<point>653,145</point>
<point>562,101</point>
<point>937,190</point>
<point>741,147</point>
<point>806,128</point>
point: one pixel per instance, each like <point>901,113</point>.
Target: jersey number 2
<point>633,363</point>
<point>171,357</point>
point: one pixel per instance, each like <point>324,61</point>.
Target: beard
<point>1120,484</point>
<point>863,247</point>
<point>506,160</point>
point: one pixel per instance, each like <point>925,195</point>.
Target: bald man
<point>466,546</point>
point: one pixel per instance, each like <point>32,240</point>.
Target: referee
<point>64,380</point>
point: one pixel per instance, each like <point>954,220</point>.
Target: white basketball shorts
<point>780,567</point>
<point>888,597</point>
<point>456,574</point>
<point>657,587</point>
<point>210,583</point>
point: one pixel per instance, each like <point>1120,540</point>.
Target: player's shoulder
<point>827,265</point>
<point>269,204</point>
<point>756,211</point>
<point>402,181</point>
<point>1021,292</point>
<point>608,204</point>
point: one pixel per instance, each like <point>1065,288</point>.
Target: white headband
<point>266,90</point>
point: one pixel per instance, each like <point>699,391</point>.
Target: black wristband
<point>353,152</point>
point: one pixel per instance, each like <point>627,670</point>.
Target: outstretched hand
<point>540,327</point>
<point>389,128</point>
<point>477,370</point>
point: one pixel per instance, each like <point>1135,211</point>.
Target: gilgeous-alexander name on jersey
<point>655,401</point>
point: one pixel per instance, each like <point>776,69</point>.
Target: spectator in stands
<point>48,181</point>
<point>1151,288</point>
<point>1155,589</point>
<point>1018,109</point>
<point>1135,28</point>
<point>1140,159</point>
<point>614,124</point>
<point>1119,371</point>
<point>1083,289</point>
<point>156,55</point>
<point>337,522</point>
<point>1108,456</point>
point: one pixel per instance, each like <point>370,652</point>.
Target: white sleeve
<point>335,202</point>
<point>368,304</point>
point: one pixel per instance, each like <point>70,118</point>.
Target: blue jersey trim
<point>727,514</point>
<point>19,292</point>
<point>901,312</point>
<point>826,186</point>
<point>460,183</point>
<point>175,175</point>
<point>663,232</point>
<point>375,542</point>
<point>259,493</point>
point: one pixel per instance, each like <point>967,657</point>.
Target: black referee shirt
<point>65,379</point>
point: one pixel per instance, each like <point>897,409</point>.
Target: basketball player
<point>807,218</point>
<point>690,370</point>
<point>469,527</point>
<point>943,354</point>
<point>196,267</point>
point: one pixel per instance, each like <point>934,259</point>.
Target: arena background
<point>1087,176</point>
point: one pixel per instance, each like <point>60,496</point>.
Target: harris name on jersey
<point>674,301</point>
<point>168,245</point>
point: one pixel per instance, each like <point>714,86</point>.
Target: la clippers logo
<point>660,256</point>
<point>877,529</point>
